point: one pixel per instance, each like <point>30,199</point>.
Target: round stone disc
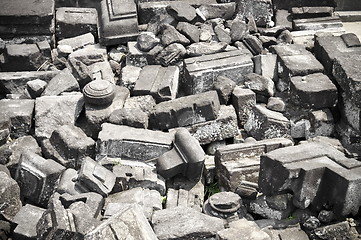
<point>99,92</point>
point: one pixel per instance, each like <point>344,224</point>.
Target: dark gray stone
<point>253,44</point>
<point>220,10</point>
<point>171,35</point>
<point>36,87</point>
<point>261,10</point>
<point>274,207</point>
<point>9,197</point>
<point>181,11</point>
<point>260,85</point>
<point>131,117</point>
<point>62,82</point>
<point>239,30</point>
<point>189,30</point>
<point>224,87</point>
<point>243,101</point>
<point>205,48</point>
<point>242,229</point>
<point>147,40</point>
<point>171,54</point>
<point>351,40</point>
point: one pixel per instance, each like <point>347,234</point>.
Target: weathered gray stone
<point>291,232</point>
<point>99,92</point>
<point>185,111</point>
<point>239,30</point>
<point>129,221</point>
<point>171,35</point>
<point>9,197</point>
<point>340,230</point>
<point>242,229</point>
<point>351,40</point>
<point>36,87</point>
<point>243,101</point>
<point>189,30</point>
<point>144,103</point>
<point>272,207</point>
<point>220,10</point>
<point>261,10</point>
<point>311,184</point>
<point>224,87</point>
<point>5,128</point>
<point>79,41</point>
<point>201,72</point>
<point>263,87</point>
<point>37,177</point>
<point>80,71</point>
<point>266,65</point>
<point>181,11</point>
<point>117,22</point>
<point>276,104</point>
<point>20,113</point>
<point>160,82</point>
<point>62,82</point>
<point>96,177</point>
<point>26,229</point>
<point>131,117</point>
<point>205,48</point>
<point>254,44</point>
<point>51,112</point>
<point>89,55</point>
<point>102,71</point>
<point>124,142</point>
<point>322,123</point>
<point>184,223</point>
<point>171,54</point>
<point>240,162</point>
<point>317,23</point>
<point>222,34</point>
<point>147,40</point>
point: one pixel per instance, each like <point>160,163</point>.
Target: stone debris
<point>205,119</point>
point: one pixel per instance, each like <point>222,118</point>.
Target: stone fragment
<point>20,113</point>
<point>149,200</point>
<point>222,34</point>
<point>253,44</point>
<point>224,87</point>
<point>206,33</point>
<point>37,177</point>
<point>131,117</point>
<point>205,48</point>
<point>26,229</point>
<point>181,11</point>
<point>239,30</point>
<point>266,65</point>
<point>189,30</point>
<point>69,146</point>
<point>273,207</point>
<point>99,92</point>
<point>79,41</point>
<point>62,82</point>
<point>71,22</point>
<point>313,91</point>
<point>237,163</point>
<point>200,72</point>
<point>36,87</point>
<point>220,10</point>
<point>124,142</point>
<point>311,12</point>
<point>340,230</point>
<point>89,55</point>
<point>130,75</point>
<point>9,197</point>
<point>264,123</point>
<point>184,223</point>
<point>283,19</point>
<point>321,123</point>
<point>185,111</point>
<point>291,232</point>
<point>102,71</point>
<point>267,41</point>
<point>171,35</point>
<point>147,40</point>
<point>157,81</point>
<point>5,128</point>
<point>329,166</point>
<point>51,112</point>
<point>262,86</point>
<point>144,103</point>
<point>171,54</point>
<point>242,229</point>
<point>80,71</point>
<point>96,177</point>
<point>129,221</point>
<point>117,22</point>
<point>276,104</point>
<point>351,40</point>
<point>243,101</point>
<point>224,127</point>
<point>261,10</point>
<point>132,174</point>
<point>186,157</point>
<point>94,202</point>
<point>317,23</point>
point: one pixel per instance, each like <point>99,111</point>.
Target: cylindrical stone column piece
<point>99,92</point>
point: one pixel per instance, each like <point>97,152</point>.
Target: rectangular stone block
<point>236,163</point>
<point>317,23</point>
<point>37,177</point>
<point>288,4</point>
<point>201,72</point>
<point>20,113</point>
<point>78,41</point>
<point>118,22</point>
<point>160,82</point>
<point>266,65</point>
<point>243,100</point>
<point>311,12</point>
<point>26,229</point>
<point>225,126</point>
<point>71,22</point>
<point>317,174</point>
<point>185,111</point>
<point>117,141</point>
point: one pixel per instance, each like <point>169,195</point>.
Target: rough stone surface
<point>9,197</point>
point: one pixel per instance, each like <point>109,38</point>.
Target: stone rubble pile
<point>124,119</point>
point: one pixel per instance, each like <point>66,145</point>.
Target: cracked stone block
<point>71,22</point>
<point>350,112</point>
<point>9,197</point>
<point>225,126</point>
<point>60,221</point>
<point>261,10</point>
<point>62,82</point>
<point>240,162</point>
<point>316,173</point>
<point>317,23</point>
<point>185,111</point>
<point>272,207</point>
<point>20,113</point>
<point>26,229</point>
<point>133,174</point>
<point>313,91</point>
<point>201,72</point>
<point>242,229</point>
<point>79,41</point>
<point>37,177</point>
<point>263,123</point>
<point>185,193</point>
<point>18,18</point>
<point>96,177</point>
<point>129,221</point>
<point>16,82</point>
<point>149,200</point>
<point>117,22</point>
<point>136,57</point>
<point>116,141</point>
<point>10,153</point>
<point>185,223</point>
<point>266,65</point>
<point>51,112</point>
<point>69,145</point>
<point>157,81</point>
<point>24,57</point>
<point>243,101</point>
<point>186,157</point>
